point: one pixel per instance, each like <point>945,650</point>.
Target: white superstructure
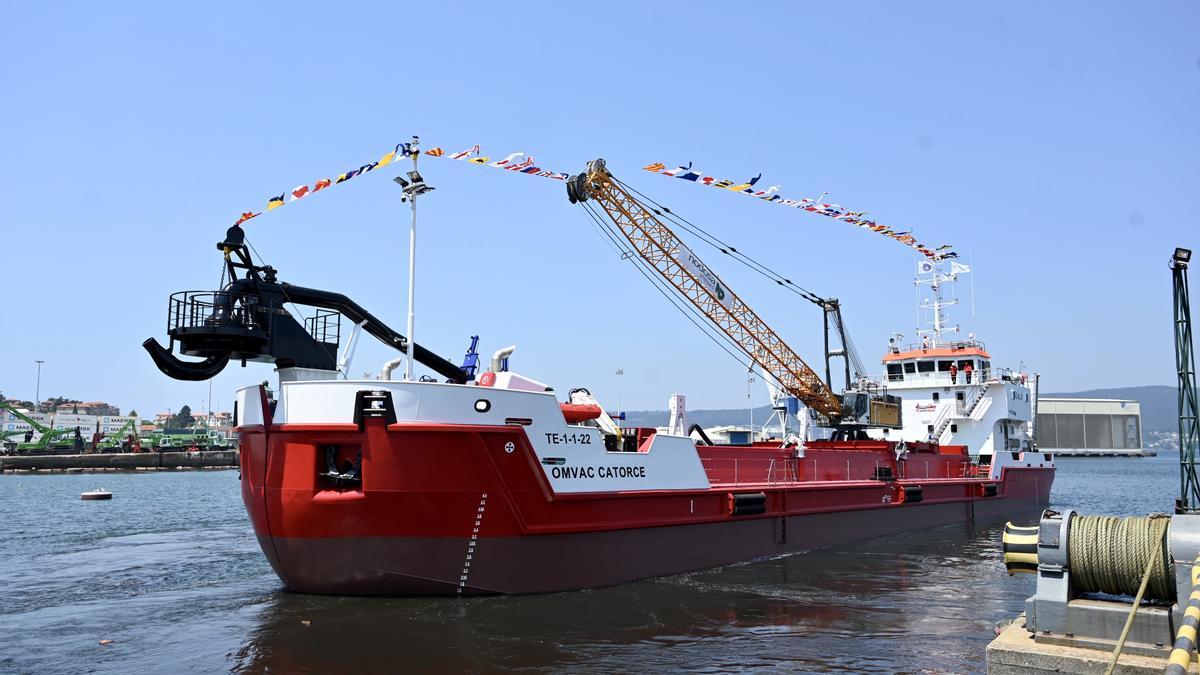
<point>951,391</point>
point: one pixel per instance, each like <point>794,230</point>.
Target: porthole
<point>483,405</point>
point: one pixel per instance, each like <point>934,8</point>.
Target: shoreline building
<point>1090,427</point>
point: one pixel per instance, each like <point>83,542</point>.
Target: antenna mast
<point>931,308</point>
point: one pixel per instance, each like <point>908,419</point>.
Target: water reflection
<point>923,601</point>
<point>170,571</point>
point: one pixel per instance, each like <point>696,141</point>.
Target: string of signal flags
<point>519,162</point>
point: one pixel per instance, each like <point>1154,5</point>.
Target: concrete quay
<point>135,461</point>
<point>1015,652</point>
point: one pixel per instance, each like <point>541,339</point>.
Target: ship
<point>483,481</point>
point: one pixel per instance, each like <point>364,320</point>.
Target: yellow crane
<point>666,253</point>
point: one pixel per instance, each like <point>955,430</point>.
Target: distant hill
<point>1157,400</point>
<point>1159,412</point>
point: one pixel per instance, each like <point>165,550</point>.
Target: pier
<point>135,461</point>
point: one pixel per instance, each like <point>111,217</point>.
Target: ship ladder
<point>782,538</point>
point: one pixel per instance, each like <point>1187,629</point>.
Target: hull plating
<point>446,509</point>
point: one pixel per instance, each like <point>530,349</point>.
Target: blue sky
<point>1054,144</point>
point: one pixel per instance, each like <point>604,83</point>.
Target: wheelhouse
<point>944,364</point>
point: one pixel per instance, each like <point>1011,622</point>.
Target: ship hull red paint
<point>445,509</point>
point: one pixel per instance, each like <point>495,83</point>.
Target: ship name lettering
<point>598,472</point>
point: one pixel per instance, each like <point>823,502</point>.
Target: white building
<point>1090,427</point>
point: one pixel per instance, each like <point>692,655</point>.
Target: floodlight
<point>1182,255</point>
<point>401,182</point>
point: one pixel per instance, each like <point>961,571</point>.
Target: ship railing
<point>940,344</point>
<point>199,309</point>
<point>325,326</point>
<point>940,378</point>
<point>942,420</point>
<point>751,470</point>
<point>962,409</point>
<point>734,471</point>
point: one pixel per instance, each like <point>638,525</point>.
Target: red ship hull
<point>461,509</point>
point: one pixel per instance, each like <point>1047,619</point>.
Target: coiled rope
<point>1117,555</point>
<point>1111,555</point>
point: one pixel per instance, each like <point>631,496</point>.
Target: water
<point>170,571</point>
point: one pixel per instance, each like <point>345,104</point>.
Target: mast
<point>413,187</point>
<point>412,272</point>
<point>935,293</point>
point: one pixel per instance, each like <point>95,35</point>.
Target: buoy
<point>99,493</point>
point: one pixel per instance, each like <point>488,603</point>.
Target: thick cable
<point>671,295</point>
<point>668,292</point>
<point>724,247</point>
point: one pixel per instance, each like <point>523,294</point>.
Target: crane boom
<point>658,245</point>
<point>37,426</point>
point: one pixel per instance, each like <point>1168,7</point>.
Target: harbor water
<point>170,572</point>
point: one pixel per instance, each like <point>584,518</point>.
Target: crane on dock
<point>44,442</point>
<point>124,439</point>
<point>860,405</point>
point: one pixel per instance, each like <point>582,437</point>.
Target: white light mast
<point>412,188</point>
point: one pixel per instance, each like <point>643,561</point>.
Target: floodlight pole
<point>37,396</point>
<point>1189,409</point>
<point>412,274</point>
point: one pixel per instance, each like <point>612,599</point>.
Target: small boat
<point>99,493</point>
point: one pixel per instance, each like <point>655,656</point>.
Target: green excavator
<point>50,440</point>
<point>124,439</point>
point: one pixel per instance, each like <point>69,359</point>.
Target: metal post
<point>825,318</point>
<point>1189,415</point>
<point>37,396</point>
<point>412,278</point>
<point>619,373</point>
<point>750,402</point>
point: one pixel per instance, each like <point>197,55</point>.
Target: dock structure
<point>129,461</point>
<point>1114,595</point>
<point>1016,652</point>
<point>1090,427</point>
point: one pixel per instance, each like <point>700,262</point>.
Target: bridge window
<point>924,366</point>
<point>909,367</point>
<point>944,366</point>
<point>895,372</point>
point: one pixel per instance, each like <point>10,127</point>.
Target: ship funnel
<point>172,366</point>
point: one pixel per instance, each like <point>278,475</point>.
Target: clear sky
<point>1054,144</point>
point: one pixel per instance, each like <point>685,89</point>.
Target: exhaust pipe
<point>172,366</point>
<point>500,355</point>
